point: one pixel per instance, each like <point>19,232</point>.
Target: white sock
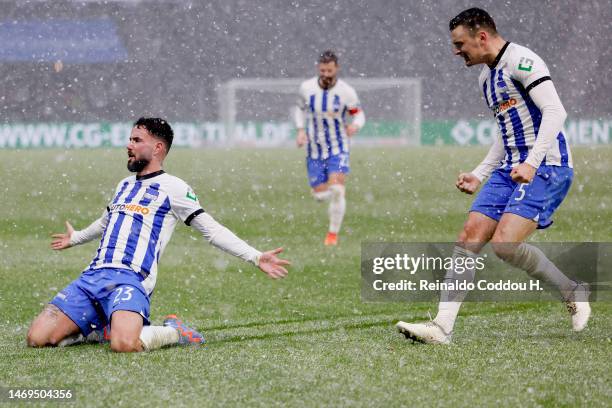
<point>337,207</point>
<point>154,337</point>
<point>533,261</point>
<point>450,301</point>
<point>321,195</point>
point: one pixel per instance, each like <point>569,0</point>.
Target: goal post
<point>252,110</point>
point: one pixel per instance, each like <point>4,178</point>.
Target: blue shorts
<point>90,300</point>
<point>319,169</point>
<point>535,201</point>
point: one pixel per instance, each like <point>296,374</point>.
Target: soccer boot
<point>96,336</point>
<point>187,335</point>
<point>578,306</point>
<point>331,239</point>
<point>428,332</point>
<point>71,340</point>
<point>99,335</point>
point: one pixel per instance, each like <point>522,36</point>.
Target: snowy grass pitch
<point>307,340</point>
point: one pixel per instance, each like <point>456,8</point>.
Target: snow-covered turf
<point>307,340</point>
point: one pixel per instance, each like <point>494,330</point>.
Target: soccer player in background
<point>135,228</point>
<point>321,122</point>
<point>529,168</point>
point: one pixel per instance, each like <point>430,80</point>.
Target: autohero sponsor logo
<point>503,106</point>
<point>135,208</point>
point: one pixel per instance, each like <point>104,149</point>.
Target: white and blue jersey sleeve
<point>527,67</point>
<point>183,201</point>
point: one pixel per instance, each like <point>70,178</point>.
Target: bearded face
<point>136,166</point>
<point>327,74</point>
<point>140,150</point>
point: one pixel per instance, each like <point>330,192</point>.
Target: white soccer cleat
<point>579,307</point>
<point>580,311</point>
<point>429,332</point>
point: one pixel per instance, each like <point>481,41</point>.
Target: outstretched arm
<point>222,238</point>
<point>71,237</point>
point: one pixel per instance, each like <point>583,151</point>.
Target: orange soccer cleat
<point>187,335</point>
<point>331,239</point>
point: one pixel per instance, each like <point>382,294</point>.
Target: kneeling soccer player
<point>135,228</point>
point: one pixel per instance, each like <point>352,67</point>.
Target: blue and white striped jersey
<point>326,116</point>
<point>506,88</point>
<point>140,221</point>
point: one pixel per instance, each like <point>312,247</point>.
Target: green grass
<point>307,340</point>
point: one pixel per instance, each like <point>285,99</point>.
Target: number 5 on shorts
<point>522,190</point>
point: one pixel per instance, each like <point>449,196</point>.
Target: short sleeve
<point>184,202</point>
<point>529,69</point>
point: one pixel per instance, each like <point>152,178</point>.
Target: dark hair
<point>328,56</point>
<point>159,128</point>
<point>474,18</point>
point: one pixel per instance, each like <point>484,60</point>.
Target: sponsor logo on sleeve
<point>191,195</point>
<point>525,64</point>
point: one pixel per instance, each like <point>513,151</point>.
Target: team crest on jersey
<point>502,86</point>
<point>151,194</point>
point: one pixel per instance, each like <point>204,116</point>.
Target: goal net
<point>259,112</point>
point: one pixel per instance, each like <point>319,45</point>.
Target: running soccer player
<point>529,168</point>
<point>322,125</point>
<point>135,228</point>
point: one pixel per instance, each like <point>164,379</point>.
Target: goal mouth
<point>258,111</point>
